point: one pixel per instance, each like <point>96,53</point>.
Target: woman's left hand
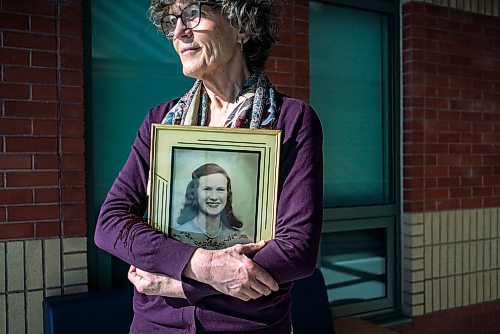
<point>155,284</point>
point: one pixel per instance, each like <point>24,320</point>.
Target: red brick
<point>35,7</point>
<point>460,192</point>
<point>46,161</point>
<point>459,126</point>
<point>73,211</point>
<point>413,183</point>
<point>460,171</point>
<point>14,57</point>
<point>492,160</point>
<point>483,149</point>
<point>32,213</point>
<point>70,45</point>
<point>14,126</point>
<point>483,191</point>
<point>73,195</point>
<point>471,94</point>
<point>72,145</point>
<point>448,182</point>
<point>30,75</point>
<point>72,128</point>
<point>436,126</point>
<point>29,41</point>
<point>8,162</point>
<point>472,160</point>
<point>44,93</point>
<point>16,196</point>
<point>301,39</point>
<point>414,172</point>
<point>430,182</point>
<point>47,229</point>
<point>471,181</point>
<point>45,127</point>
<point>43,24</point>
<point>71,12</point>
<point>482,170</point>
<point>14,21</point>
<point>436,171</point>
<point>30,109</point>
<point>2,217</point>
<point>413,160</point>
<point>75,228</point>
<point>437,103</point>
<point>71,28</point>
<point>491,180</point>
<point>43,59</point>
<point>73,178</point>
<point>31,144</point>
<point>448,138</point>
<point>436,148</point>
<point>430,160</point>
<point>460,83</point>
<point>47,195</point>
<point>16,231</point>
<point>32,179</point>
<point>72,111</point>
<point>471,138</point>
<point>72,78</point>
<point>72,94</point>
<point>72,162</point>
<point>302,53</point>
<point>14,92</point>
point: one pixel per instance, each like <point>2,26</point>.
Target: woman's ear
<point>243,37</point>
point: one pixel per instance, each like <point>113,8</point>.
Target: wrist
<point>198,266</point>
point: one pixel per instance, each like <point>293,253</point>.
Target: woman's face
<point>212,194</point>
<point>207,48</point>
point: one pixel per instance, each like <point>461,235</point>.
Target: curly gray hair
<point>260,19</point>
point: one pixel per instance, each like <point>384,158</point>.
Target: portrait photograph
<point>216,189</point>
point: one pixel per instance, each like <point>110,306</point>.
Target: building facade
<point>420,195</point>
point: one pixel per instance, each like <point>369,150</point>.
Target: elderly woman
<point>244,288</point>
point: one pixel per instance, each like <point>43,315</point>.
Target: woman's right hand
<point>231,272</point>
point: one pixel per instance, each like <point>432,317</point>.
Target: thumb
<point>252,248</point>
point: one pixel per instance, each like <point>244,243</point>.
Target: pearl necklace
<point>196,222</point>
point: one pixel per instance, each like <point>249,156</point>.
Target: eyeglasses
<point>190,17</point>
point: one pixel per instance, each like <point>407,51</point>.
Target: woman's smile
<point>212,194</point>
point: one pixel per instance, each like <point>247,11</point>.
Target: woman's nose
<point>180,28</point>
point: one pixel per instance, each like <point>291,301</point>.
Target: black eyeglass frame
<point>180,16</point>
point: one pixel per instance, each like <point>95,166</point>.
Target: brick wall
<point>451,109</point>
<point>288,65</point>
<point>43,247</point>
<point>451,145</point>
<point>42,190</point>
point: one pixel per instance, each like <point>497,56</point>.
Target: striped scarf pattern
<point>255,106</point>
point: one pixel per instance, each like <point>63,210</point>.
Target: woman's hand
<point>155,284</point>
<point>231,272</point>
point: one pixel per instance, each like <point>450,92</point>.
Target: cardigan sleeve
<point>292,254</point>
<point>120,229</point>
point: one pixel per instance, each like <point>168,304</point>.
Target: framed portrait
<point>214,187</point>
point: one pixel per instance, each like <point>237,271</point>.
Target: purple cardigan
<point>290,256</point>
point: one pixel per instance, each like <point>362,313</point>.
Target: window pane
<point>354,265</point>
<point>133,68</point>
<point>350,90</point>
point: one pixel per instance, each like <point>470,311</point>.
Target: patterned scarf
<point>255,106</point>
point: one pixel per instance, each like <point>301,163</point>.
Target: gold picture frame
<point>246,162</point>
